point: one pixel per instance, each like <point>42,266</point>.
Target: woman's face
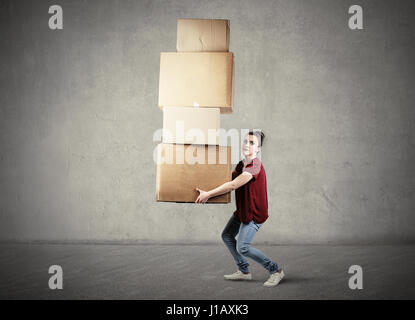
<point>250,145</point>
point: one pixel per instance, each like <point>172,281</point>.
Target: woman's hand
<point>203,196</point>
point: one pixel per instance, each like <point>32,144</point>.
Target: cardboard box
<point>191,125</point>
<point>178,176</point>
<point>203,35</point>
<point>203,79</point>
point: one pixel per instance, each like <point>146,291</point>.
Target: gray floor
<point>196,272</point>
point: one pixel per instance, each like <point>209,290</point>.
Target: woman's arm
<point>239,181</point>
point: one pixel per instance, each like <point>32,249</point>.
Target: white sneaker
<point>274,279</point>
<point>238,275</point>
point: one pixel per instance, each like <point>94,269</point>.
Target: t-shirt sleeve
<point>253,169</point>
<point>234,174</point>
<point>237,171</point>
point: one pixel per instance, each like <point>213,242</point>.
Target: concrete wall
<point>79,109</point>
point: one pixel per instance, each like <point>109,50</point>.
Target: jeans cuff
<point>244,269</point>
<point>274,269</point>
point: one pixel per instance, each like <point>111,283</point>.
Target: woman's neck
<point>248,159</point>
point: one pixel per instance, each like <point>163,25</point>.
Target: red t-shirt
<point>251,198</point>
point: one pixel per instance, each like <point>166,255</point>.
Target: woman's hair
<point>259,134</point>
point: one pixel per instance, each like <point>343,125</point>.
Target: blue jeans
<point>241,248</point>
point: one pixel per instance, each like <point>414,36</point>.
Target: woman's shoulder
<point>257,162</point>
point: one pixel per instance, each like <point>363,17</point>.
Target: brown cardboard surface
<point>191,125</point>
<point>202,35</point>
<point>203,79</point>
<point>178,180</point>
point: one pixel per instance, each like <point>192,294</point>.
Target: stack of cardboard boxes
<point>195,86</point>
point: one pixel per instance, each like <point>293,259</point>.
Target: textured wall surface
<point>78,109</point>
